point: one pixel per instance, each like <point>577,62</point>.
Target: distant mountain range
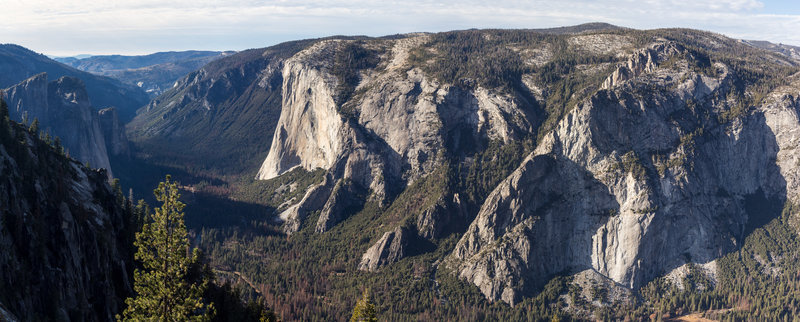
<point>154,73</point>
<point>787,50</point>
<point>18,64</point>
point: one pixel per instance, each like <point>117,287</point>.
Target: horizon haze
<point>76,27</point>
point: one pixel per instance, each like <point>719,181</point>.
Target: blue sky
<point>70,27</point>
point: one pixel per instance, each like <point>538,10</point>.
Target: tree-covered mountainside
<point>68,240</point>
<point>18,63</point>
<point>67,248</point>
<point>107,64</point>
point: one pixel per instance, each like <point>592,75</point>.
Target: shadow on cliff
<point>567,206</point>
<point>466,146</point>
<point>733,188</point>
<point>713,180</point>
<point>393,162</point>
<point>460,115</point>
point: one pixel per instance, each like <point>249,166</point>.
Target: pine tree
<point>117,187</point>
<point>34,128</point>
<point>4,113</point>
<point>5,120</point>
<point>365,310</point>
<point>57,145</point>
<point>163,292</point>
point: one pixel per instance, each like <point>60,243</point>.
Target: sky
<point>72,27</point>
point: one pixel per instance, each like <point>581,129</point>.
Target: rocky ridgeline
<point>63,110</point>
<point>397,137</point>
<point>635,186</point>
<point>652,149</point>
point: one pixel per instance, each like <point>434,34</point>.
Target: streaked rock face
<point>64,110</point>
<point>634,187</point>
<point>309,132</point>
<point>398,135</point>
<point>113,132</point>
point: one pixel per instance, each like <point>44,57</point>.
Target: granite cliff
<point>622,154</point>
<point>63,110</point>
<point>635,182</point>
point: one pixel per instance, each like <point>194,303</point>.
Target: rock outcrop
<point>310,132</point>
<point>315,198</point>
<point>390,248</point>
<point>394,133</point>
<point>635,186</point>
<point>63,110</point>
<point>66,241</point>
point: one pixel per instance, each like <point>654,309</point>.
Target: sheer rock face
<point>28,96</point>
<point>66,253</point>
<point>63,110</point>
<point>635,186</point>
<point>310,131</point>
<point>401,124</point>
<point>114,132</point>
<point>442,217</point>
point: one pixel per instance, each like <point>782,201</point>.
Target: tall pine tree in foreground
<point>163,292</point>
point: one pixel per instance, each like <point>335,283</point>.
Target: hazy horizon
<point>138,27</point>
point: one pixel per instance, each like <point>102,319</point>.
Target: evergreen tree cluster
<point>173,282</point>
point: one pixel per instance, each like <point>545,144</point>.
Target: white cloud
<point>72,26</point>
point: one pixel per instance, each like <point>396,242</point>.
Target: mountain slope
<point>154,73</point>
<point>218,116</point>
<point>65,237</point>
<point>18,63</point>
<point>790,51</point>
